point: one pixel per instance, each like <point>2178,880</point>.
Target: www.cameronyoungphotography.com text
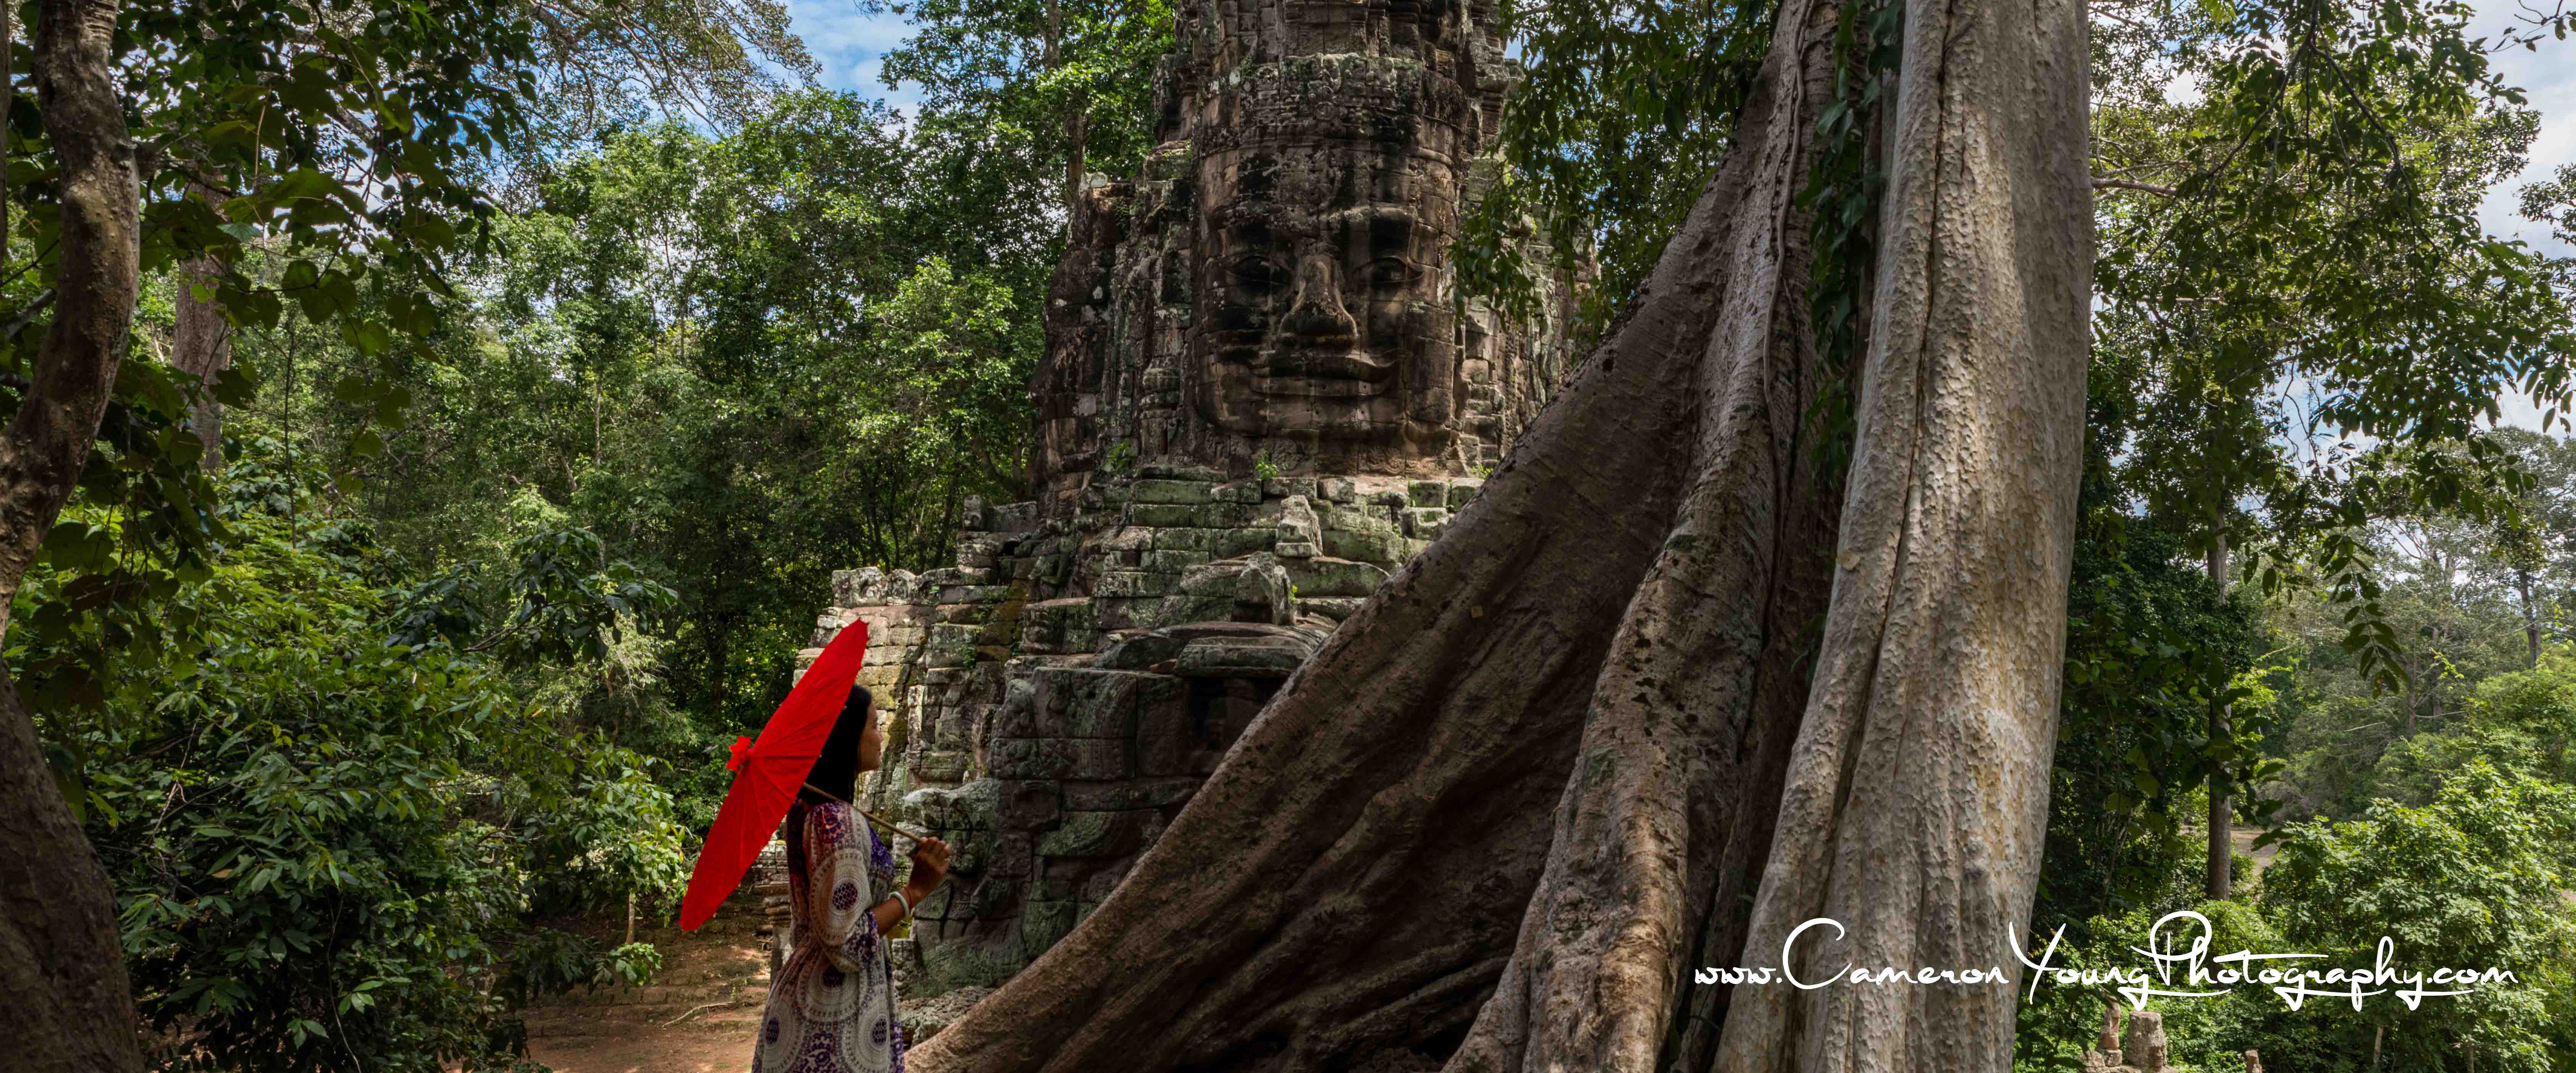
<point>2201,975</point>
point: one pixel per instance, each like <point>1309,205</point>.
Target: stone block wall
<point>1055,697</point>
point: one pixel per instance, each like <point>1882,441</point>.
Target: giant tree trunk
<point>61,963</point>
<point>1573,749</point>
<point>1917,795</point>
<point>1660,835</point>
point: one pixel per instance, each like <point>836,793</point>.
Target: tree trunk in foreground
<point>1506,819</point>
<point>61,961</point>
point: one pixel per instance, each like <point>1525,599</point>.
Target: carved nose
<point>1317,312</point>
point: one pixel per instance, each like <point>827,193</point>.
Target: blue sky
<point>849,45</point>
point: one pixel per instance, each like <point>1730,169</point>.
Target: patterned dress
<point>831,1008</point>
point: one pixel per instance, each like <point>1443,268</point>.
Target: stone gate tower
<point>1259,396</point>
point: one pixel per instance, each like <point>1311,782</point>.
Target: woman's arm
<point>890,912</point>
<point>929,867</point>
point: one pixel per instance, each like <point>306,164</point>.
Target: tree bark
<point>1501,819</point>
<point>2222,811</point>
<point>1076,117</point>
<point>201,347</point>
<point>1917,793</point>
<point>1660,833</point>
<point>2525,586</point>
<point>70,1007</point>
<point>201,344</point>
<point>8,100</point>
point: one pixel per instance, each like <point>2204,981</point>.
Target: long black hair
<point>836,771</point>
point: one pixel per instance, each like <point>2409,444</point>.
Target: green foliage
<point>740,362</point>
<point>2518,721</point>
<point>2201,1033</point>
<point>555,962</point>
<point>345,139</point>
<point>326,846</point>
<point>569,599</point>
<point>2470,880</point>
<point>2306,225</point>
<point>2323,215</point>
<point>1607,142</point>
<point>2473,609</point>
<point>2552,201</point>
<point>1041,89</point>
<point>2151,646</point>
<point>599,65</point>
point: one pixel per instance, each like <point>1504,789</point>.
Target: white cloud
<point>2548,75</point>
<point>2184,88</point>
<point>851,46</point>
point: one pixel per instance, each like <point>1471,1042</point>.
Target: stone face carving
<point>1320,316</point>
<point>1274,291</point>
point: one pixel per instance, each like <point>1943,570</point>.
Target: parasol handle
<point>889,824</point>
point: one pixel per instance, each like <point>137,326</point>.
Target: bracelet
<point>907,905</point>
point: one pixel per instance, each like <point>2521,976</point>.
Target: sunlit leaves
<point>2471,879</point>
<point>1622,117</point>
<point>1025,79</point>
<point>2313,268</point>
<point>336,144</point>
<point>2151,648</point>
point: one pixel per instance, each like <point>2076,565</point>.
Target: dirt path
<point>698,1015</point>
<point>701,1011</point>
<point>2245,844</point>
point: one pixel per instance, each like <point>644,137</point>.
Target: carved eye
<point>1391,273</point>
<point>1257,274</point>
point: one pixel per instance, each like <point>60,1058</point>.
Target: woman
<point>831,1008</point>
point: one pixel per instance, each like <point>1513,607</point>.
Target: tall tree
<point>745,360</point>
<point>1578,791</point>
<point>201,345</point>
<point>60,953</point>
<point>1054,87</point>
<point>339,133</point>
<point>2248,250</point>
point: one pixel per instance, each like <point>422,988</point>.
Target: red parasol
<point>769,771</point>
